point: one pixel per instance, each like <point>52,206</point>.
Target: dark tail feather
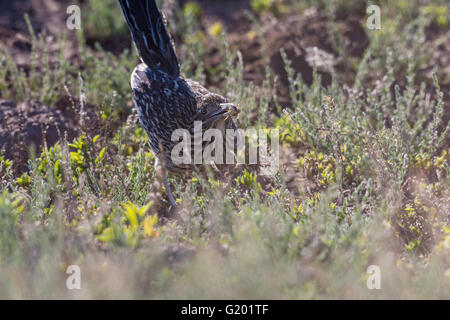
<point>150,35</point>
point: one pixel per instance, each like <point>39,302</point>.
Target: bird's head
<point>214,109</point>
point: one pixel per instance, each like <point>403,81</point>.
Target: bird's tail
<point>150,35</point>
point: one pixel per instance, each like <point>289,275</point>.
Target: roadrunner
<point>166,101</point>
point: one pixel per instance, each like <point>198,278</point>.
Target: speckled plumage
<point>157,99</point>
<point>165,101</point>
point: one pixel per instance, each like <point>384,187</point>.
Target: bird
<point>166,101</point>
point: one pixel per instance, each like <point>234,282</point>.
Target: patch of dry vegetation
<point>364,176</point>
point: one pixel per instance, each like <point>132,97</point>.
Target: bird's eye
<point>204,111</point>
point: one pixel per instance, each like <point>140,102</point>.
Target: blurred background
<point>363,116</point>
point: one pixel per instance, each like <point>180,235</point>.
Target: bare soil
<point>32,123</point>
<point>306,39</point>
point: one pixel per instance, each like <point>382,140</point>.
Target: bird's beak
<point>225,111</point>
<point>229,109</point>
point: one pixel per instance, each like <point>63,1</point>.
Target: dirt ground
<point>305,38</point>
